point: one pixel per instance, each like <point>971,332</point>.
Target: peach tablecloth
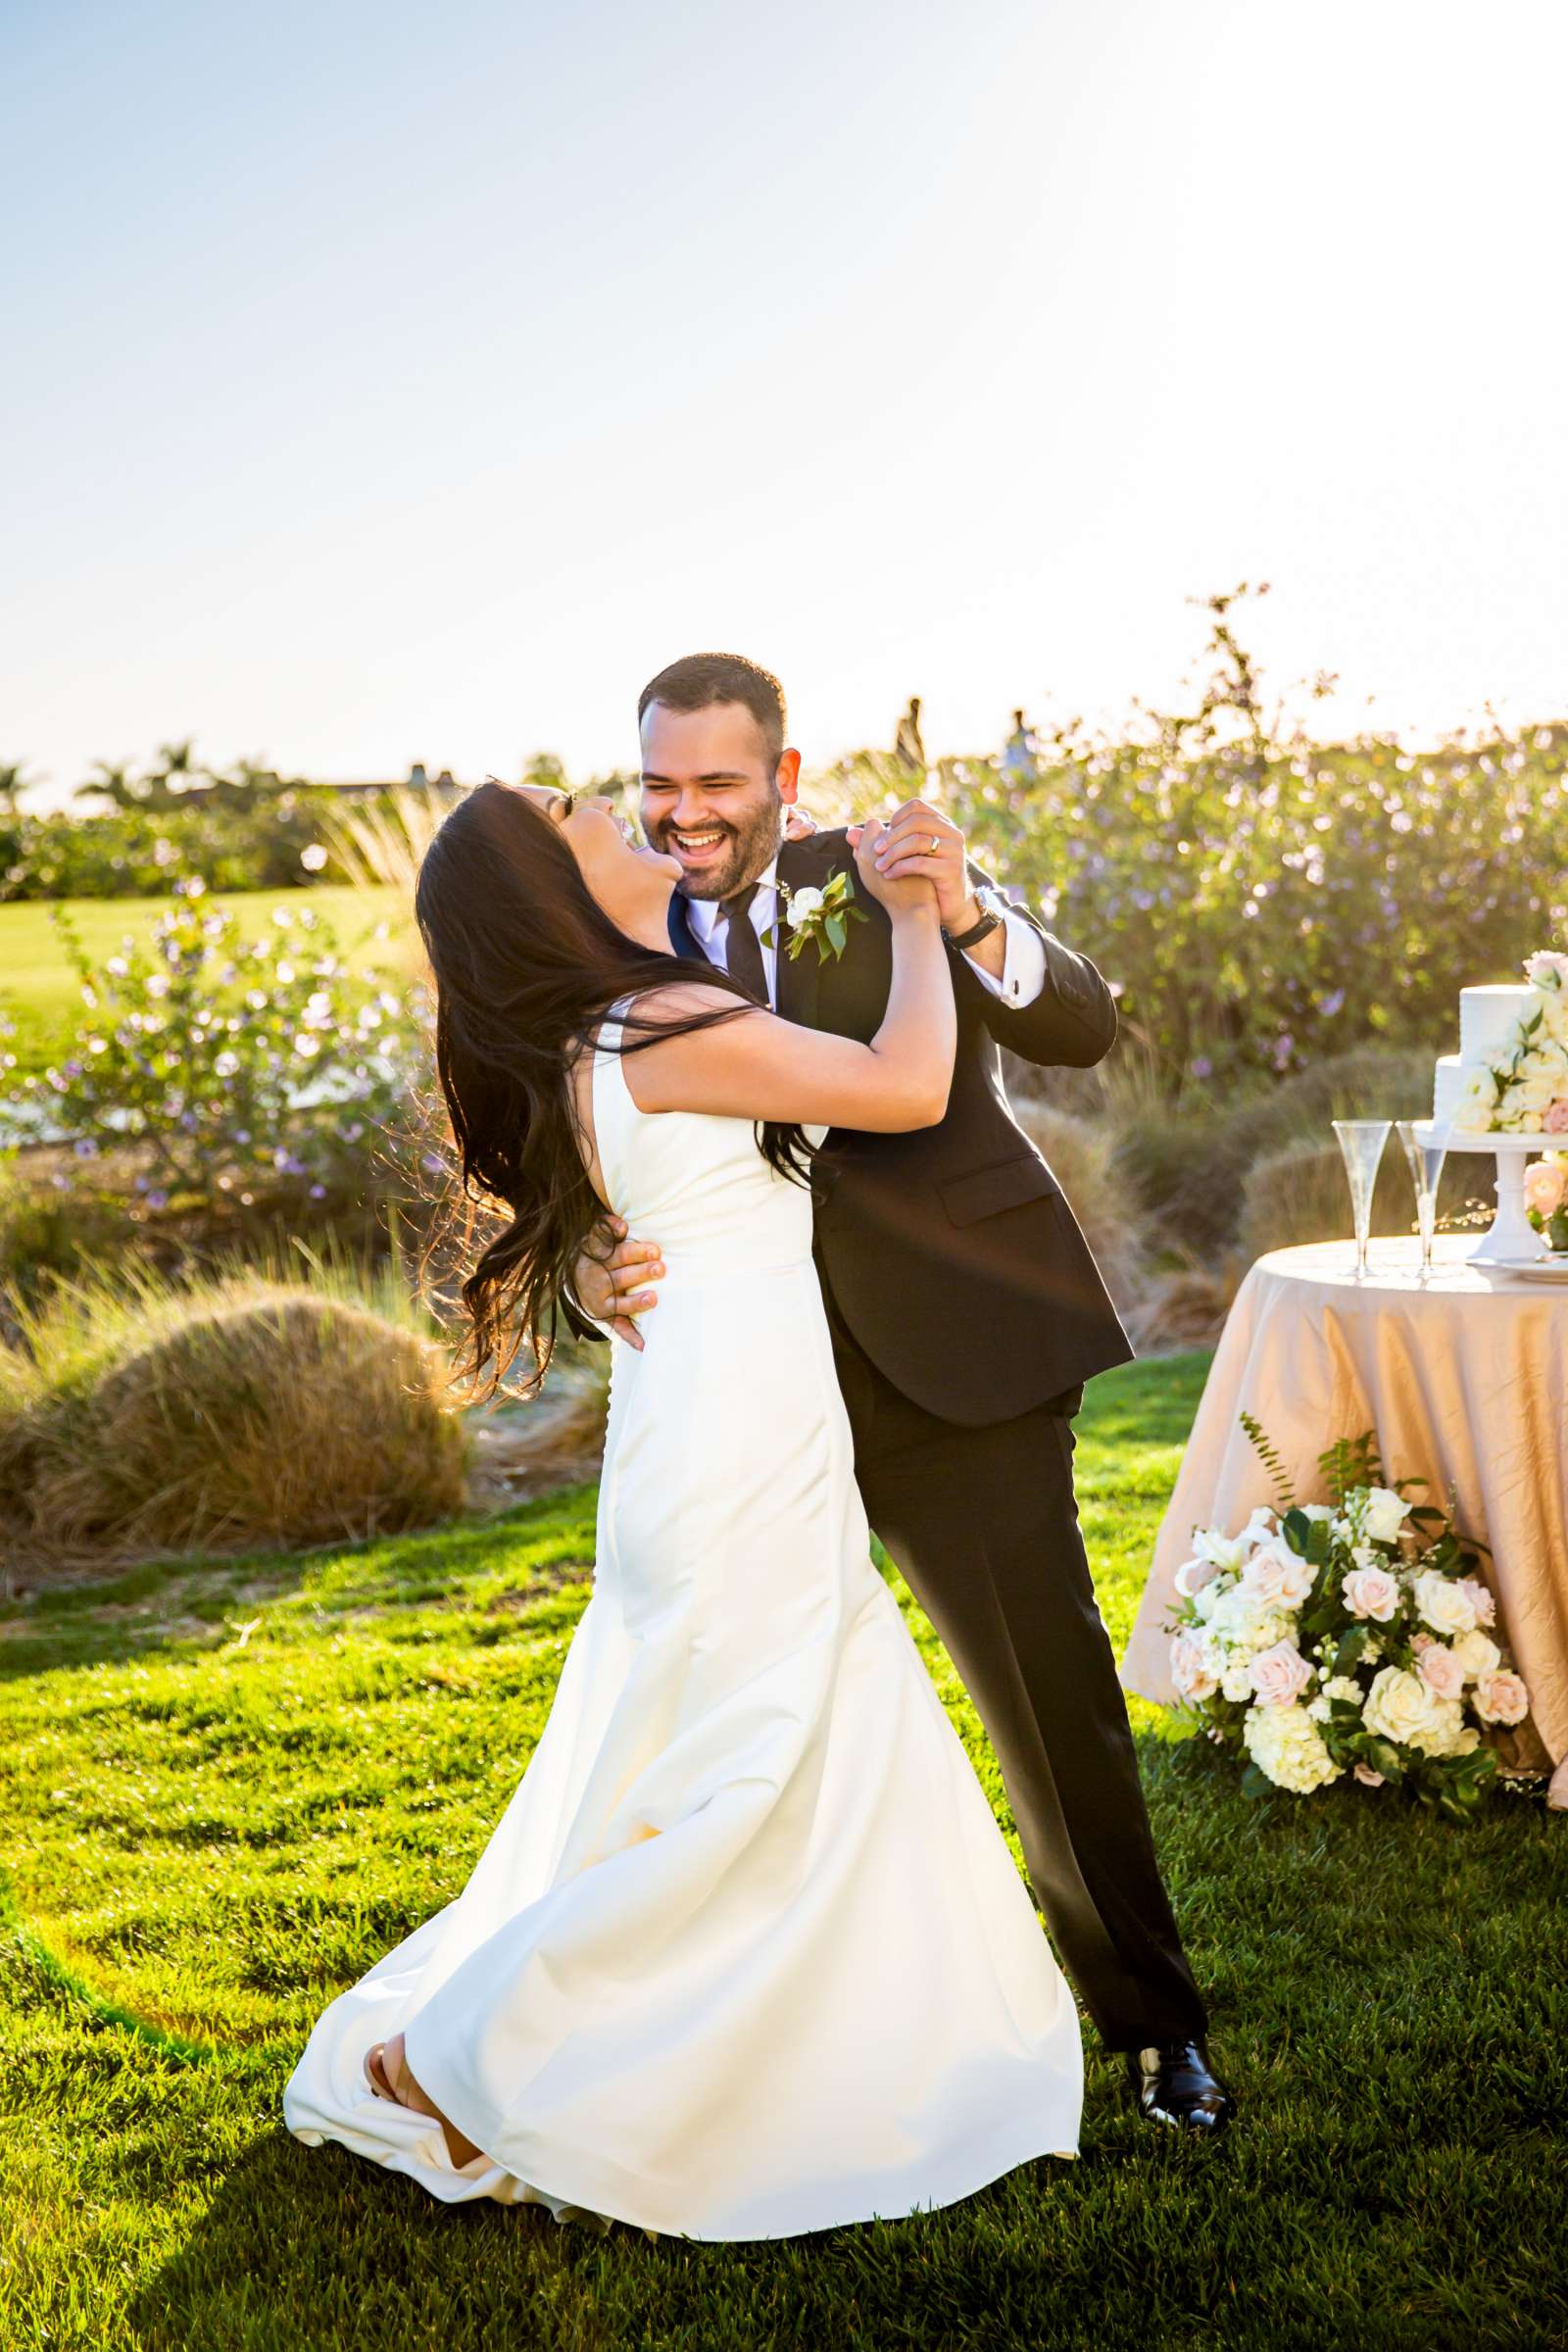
<point>1464,1380</point>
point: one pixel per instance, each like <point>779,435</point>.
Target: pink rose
<point>1280,1675</point>
<point>1190,1669</point>
<point>1502,1697</point>
<point>1368,1778</point>
<point>1555,1121</point>
<point>1480,1600</point>
<point>1278,1576</point>
<point>1371,1592</point>
<point>1547,1180</point>
<point>1441,1671</point>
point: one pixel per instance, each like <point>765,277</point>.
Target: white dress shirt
<point>1023,971</point>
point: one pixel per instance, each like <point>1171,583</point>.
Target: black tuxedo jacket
<point>951,1252</point>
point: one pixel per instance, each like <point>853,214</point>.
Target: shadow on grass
<point>195,1605</point>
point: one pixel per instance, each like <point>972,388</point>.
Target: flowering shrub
<point>136,853</point>
<point>1349,1638</point>
<point>1524,1092</point>
<point>235,1066</point>
<point>1264,910</point>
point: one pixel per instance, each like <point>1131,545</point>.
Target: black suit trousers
<point>984,1524</point>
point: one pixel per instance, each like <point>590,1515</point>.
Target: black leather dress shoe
<point>1173,2084</point>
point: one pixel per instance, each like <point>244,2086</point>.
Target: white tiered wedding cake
<point>1510,1074</point>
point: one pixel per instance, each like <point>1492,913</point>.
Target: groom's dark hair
<point>700,679</point>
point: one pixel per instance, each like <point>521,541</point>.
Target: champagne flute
<point>1362,1142</point>
<point>1425,1162</point>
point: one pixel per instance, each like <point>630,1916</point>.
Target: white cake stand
<point>1511,1238</point>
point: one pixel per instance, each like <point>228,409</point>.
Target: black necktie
<point>743,949</point>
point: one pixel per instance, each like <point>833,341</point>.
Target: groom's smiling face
<point>712,796</point>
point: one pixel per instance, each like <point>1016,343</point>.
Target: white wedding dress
<point>745,1954</point>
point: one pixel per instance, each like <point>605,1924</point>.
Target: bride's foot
<point>386,2069</point>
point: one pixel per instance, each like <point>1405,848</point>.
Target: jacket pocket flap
<point>987,1190</point>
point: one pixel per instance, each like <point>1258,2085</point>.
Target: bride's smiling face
<point>634,885</point>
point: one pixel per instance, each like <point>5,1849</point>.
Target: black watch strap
<point>989,921</point>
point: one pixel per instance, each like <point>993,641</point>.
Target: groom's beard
<point>749,848</point>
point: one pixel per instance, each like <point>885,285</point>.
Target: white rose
<point>1386,1515</point>
<point>1316,1510</point>
<point>1401,1707</point>
<point>1548,970</point>
<point>1478,1654</point>
<point>1343,1685</point>
<point>802,905</point>
<point>1477,1101</point>
<point>1447,1733</point>
<point>1397,1705</point>
<point>1534,1089</point>
<point>1442,1603</point>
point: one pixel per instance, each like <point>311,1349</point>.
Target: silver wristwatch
<point>993,910</point>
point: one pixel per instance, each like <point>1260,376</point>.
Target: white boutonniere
<point>821,918</point>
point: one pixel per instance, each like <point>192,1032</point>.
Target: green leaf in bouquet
<point>1317,1618</point>
<point>1267,1454</point>
<point>1298,1530</point>
<point>1348,1655</point>
<point>1255,1782</point>
<point>1383,1757</point>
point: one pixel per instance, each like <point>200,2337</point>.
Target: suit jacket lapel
<point>798,978</point>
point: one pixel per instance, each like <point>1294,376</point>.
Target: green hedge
<point>250,843</point>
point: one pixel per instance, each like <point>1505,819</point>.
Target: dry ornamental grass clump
<point>247,1412</point>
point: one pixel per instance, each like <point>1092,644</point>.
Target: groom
<point>966,1314</point>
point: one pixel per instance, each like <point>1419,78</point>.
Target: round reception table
<point>1464,1380</point>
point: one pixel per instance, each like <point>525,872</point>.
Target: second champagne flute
<point>1362,1142</point>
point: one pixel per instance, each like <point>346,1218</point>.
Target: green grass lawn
<point>229,1787</point>
<point>39,991</point>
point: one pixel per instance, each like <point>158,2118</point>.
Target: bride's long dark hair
<point>526,965</point>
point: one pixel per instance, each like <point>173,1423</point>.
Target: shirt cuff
<point>1023,970</point>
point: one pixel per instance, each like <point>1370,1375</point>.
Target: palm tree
<point>112,782</point>
<point>14,780</point>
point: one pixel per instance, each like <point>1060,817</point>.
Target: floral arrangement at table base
<point>1346,1641</point>
<point>1547,1198</point>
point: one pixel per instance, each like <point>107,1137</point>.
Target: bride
<point>745,1954</point>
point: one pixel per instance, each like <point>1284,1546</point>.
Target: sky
<point>388,384</point>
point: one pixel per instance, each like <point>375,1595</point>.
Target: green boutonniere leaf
<point>825,921</point>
